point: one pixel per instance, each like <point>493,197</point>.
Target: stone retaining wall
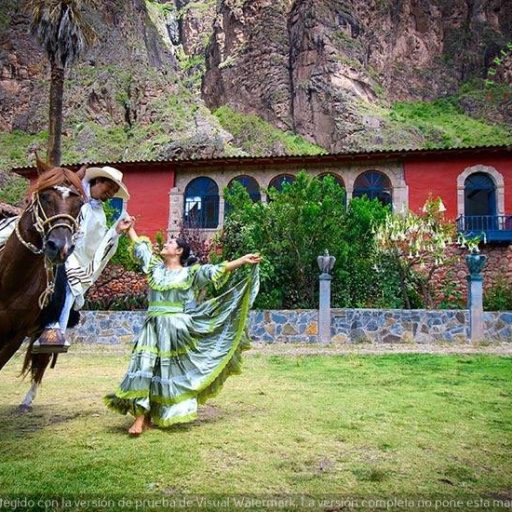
<point>289,326</point>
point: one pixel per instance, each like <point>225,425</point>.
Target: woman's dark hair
<point>186,259</point>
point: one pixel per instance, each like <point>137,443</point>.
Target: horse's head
<point>56,199</point>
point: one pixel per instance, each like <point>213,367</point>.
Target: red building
<point>475,184</point>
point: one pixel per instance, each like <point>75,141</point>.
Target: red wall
<point>439,178</point>
<point>149,189</point>
<point>149,198</point>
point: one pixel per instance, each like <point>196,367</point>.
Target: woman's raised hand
<point>124,224</point>
<point>248,259</point>
<point>252,259</point>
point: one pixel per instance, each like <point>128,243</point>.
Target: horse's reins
<point>41,223</point>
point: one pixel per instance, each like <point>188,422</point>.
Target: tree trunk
<point>403,285</point>
<point>55,124</point>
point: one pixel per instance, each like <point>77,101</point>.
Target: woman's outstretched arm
<point>248,259</point>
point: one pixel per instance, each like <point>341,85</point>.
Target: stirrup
<point>51,341</point>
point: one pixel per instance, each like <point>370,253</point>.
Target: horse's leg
<point>38,365</point>
<point>26,405</point>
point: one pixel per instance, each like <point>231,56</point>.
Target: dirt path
<point>303,349</point>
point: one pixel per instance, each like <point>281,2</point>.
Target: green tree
<point>293,229</point>
<point>123,255</point>
<point>358,282</point>
<point>63,32</point>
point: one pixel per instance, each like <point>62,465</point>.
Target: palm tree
<point>63,32</point>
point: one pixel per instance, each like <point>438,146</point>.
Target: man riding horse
<point>95,245</point>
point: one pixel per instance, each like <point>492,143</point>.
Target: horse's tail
<point>36,364</point>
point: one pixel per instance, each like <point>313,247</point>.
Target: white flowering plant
<point>418,245</point>
<point>471,243</point>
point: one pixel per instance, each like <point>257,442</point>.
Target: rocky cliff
<point>127,98</point>
<point>328,71</point>
<point>317,68</point>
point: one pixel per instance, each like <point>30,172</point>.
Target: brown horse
<point>43,238</point>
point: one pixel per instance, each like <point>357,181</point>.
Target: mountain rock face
<point>126,91</point>
<point>320,69</point>
<point>125,38</point>
<point>306,66</point>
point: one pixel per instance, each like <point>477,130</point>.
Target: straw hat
<point>110,173</point>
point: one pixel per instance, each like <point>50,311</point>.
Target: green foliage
<point>471,243</point>
<point>359,283</point>
<point>498,297</point>
<point>13,188</point>
<point>160,239</point>
<point>123,255</point>
<point>257,137</point>
<point>444,124</point>
<point>16,146</point>
<point>164,7</point>
<point>451,294</point>
<point>293,229</point>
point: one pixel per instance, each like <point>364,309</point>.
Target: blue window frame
<point>250,184</point>
<point>479,195</point>
<point>280,180</point>
<point>201,204</point>
<point>374,185</point>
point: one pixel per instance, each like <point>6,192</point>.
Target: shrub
<point>498,297</point>
<point>118,289</point>
<point>123,255</point>
<point>293,229</point>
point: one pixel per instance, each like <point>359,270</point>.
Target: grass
<point>15,147</point>
<point>291,427</point>
<point>444,124</point>
<point>256,136</point>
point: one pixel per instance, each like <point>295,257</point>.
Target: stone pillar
<point>475,263</point>
<point>222,208</point>
<point>175,211</point>
<point>325,264</point>
<point>324,309</point>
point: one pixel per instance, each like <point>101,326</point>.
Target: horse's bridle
<point>41,223</point>
<point>44,226</point>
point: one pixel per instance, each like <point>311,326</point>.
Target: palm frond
<point>61,28</point>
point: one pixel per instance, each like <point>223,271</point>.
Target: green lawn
<point>296,428</point>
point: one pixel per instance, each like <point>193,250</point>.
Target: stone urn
<point>475,263</point>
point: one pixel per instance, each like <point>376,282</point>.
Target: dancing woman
<point>185,350</point>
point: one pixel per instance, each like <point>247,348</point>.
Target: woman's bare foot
<point>137,427</point>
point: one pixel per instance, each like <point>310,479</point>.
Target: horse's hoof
<point>23,408</point>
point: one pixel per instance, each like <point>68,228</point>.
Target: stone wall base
<point>301,326</point>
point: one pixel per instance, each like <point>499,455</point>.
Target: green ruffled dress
<point>185,351</point>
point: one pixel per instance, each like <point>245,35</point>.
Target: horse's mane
<point>57,176</point>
